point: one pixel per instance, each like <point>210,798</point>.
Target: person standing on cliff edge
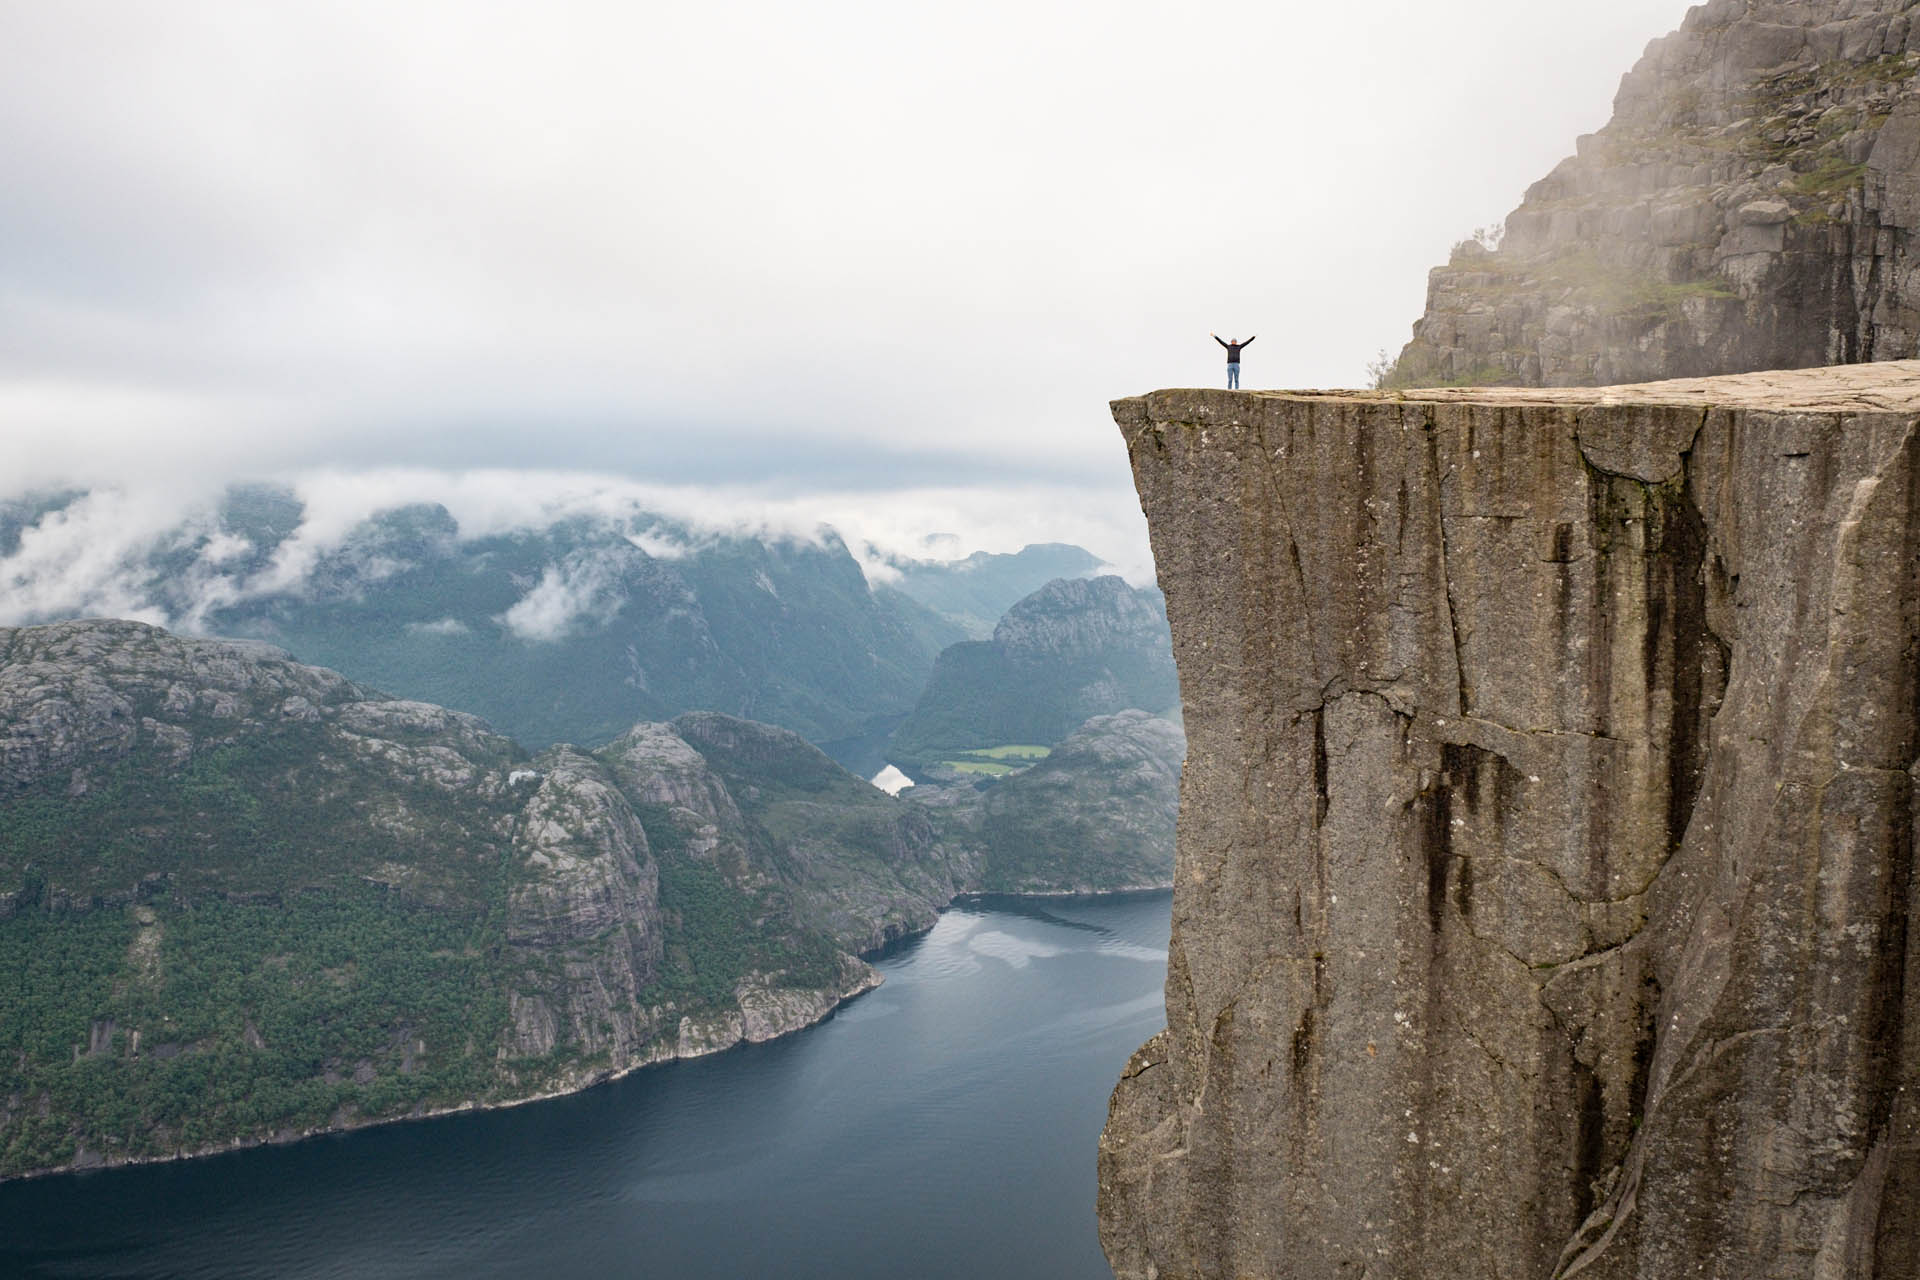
<point>1233,358</point>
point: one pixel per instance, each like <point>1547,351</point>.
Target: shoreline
<point>671,1046</point>
<point>1054,895</point>
<point>672,1052</point>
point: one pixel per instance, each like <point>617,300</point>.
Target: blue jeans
<point>1233,375</point>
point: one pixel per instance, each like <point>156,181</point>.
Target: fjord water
<point>944,1125</point>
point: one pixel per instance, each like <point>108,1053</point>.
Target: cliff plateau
<point>1544,887</point>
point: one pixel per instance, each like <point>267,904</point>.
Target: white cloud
<point>222,547</point>
<point>661,544</point>
<point>94,556</point>
<point>909,522</point>
<point>439,627</point>
<point>582,592</point>
<point>89,559</point>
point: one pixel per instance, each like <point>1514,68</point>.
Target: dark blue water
<point>944,1125</point>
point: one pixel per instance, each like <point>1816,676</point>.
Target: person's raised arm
<point>1216,337</point>
<point>1247,343</point>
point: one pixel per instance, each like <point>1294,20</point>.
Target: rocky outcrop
<point>1751,205</point>
<point>1076,648</point>
<point>358,907</point>
<point>1071,617</point>
<point>1545,891</point>
<point>585,921</point>
<point>84,695</point>
<point>1095,816</point>
<point>826,851</point>
<point>655,765</point>
<point>764,1011</point>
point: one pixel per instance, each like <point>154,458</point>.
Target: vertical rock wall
<point>1751,205</point>
<point>1546,836</point>
<point>584,922</point>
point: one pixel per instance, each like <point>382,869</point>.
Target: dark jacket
<point>1233,348</point>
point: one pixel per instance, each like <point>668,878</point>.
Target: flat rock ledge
<point>1545,882</point>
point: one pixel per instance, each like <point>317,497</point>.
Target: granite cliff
<point>1544,894</point>
<point>1751,205</point>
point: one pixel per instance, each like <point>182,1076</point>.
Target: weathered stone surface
<point>1751,205</point>
<point>587,917</point>
<point>767,1012</point>
<point>1544,881</point>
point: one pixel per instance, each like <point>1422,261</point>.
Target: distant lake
<point>942,1126</point>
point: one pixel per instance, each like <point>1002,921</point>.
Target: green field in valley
<point>993,762</point>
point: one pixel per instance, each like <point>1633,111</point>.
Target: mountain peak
<point>1749,206</point>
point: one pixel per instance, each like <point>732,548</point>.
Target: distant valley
<point>565,631</point>
<point>243,898</point>
<point>1075,648</point>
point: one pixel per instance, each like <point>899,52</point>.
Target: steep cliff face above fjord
<point>1545,869</point>
<point>1751,205</point>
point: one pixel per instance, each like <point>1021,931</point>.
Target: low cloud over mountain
<point>175,557</point>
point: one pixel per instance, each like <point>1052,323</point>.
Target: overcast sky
<point>795,248</point>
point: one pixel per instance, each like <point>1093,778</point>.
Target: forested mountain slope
<point>244,899</point>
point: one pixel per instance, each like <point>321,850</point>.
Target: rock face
<point>589,914</point>
<point>333,904</point>
<point>1545,891</point>
<point>1751,205</point>
<point>859,865</point>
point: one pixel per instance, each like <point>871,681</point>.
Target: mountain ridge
<point>242,899</point>
<point>1750,205</point>
<point>1073,649</point>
